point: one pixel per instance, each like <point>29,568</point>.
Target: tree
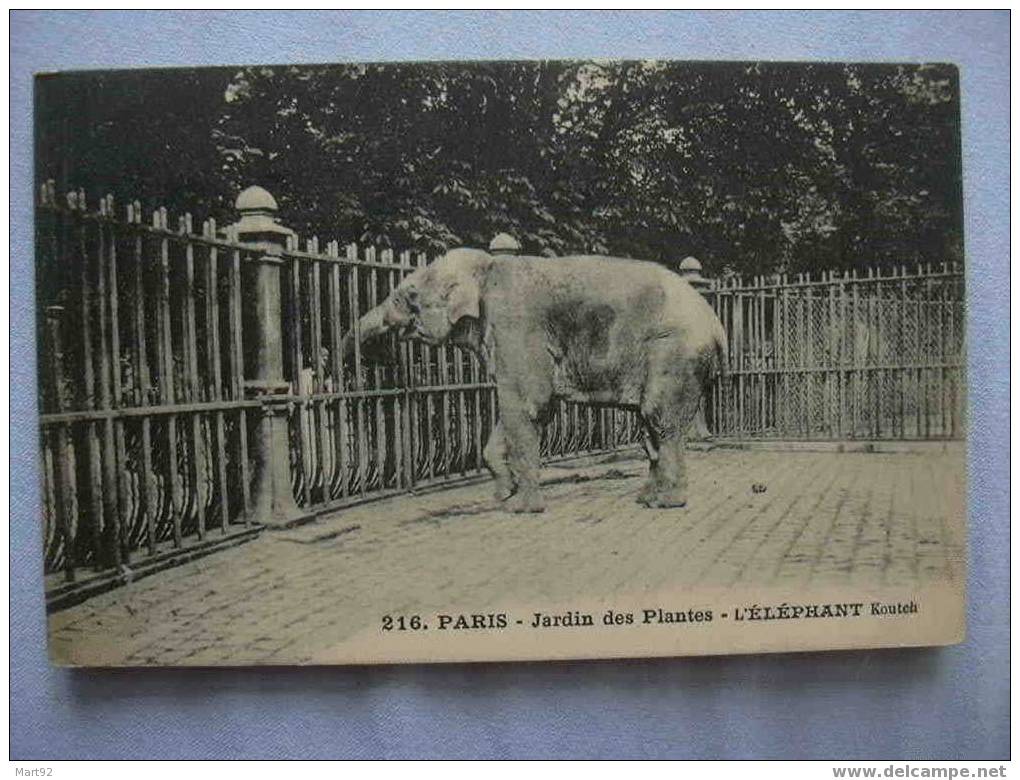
<point>136,134</point>
<point>752,167</point>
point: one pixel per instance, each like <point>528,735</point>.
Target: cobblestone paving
<point>824,518</point>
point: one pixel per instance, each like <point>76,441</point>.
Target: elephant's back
<point>599,275</point>
<point>602,318</point>
<point>641,282</point>
<point>648,299</point>
<point>661,300</point>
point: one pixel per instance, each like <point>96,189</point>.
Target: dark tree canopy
<point>753,168</point>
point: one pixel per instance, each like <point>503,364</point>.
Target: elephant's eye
<point>410,300</point>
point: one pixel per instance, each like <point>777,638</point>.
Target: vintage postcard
<point>415,362</point>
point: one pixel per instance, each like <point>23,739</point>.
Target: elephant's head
<point>430,303</point>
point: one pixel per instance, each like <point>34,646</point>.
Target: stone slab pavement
<point>824,518</point>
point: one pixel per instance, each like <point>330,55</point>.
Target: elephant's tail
<point>721,352</point>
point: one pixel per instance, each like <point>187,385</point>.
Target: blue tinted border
<point>950,703</point>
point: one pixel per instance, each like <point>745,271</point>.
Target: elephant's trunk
<point>372,323</point>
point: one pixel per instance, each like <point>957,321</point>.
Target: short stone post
<point>272,498</point>
<point>690,269</point>
<point>504,244</point>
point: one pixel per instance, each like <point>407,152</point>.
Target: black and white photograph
<point>499,360</point>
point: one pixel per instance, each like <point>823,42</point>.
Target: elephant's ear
<point>462,300</point>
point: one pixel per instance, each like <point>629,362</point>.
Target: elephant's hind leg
<point>668,410</point>
<point>671,486</point>
<point>495,454</point>
<point>667,482</point>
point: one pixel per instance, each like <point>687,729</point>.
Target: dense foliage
<point>750,167</point>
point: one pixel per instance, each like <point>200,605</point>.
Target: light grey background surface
<point>948,703</point>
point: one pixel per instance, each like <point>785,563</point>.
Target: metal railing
<point>192,390</point>
<point>878,355</point>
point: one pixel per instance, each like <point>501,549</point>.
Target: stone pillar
<point>272,498</point>
<point>690,269</point>
<point>504,244</point>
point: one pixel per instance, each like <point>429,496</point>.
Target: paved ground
<point>825,518</point>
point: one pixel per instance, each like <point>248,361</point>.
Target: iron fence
<point>852,356</point>
<point>192,389</point>
<point>377,426</point>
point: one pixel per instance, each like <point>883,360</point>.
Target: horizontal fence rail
<point>851,356</point>
<point>170,350</point>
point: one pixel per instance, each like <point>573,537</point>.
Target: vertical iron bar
<point>143,379</point>
<point>215,366</point>
<point>166,363</point>
<point>197,468</point>
<point>76,201</point>
<point>63,506</point>
<point>108,364</point>
<point>236,347</point>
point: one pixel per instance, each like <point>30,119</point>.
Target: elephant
<point>585,328</point>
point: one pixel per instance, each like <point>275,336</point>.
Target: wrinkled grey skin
<point>583,328</point>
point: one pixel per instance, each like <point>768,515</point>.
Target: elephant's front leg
<point>650,442</point>
<point>519,421</point>
<point>495,454</point>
